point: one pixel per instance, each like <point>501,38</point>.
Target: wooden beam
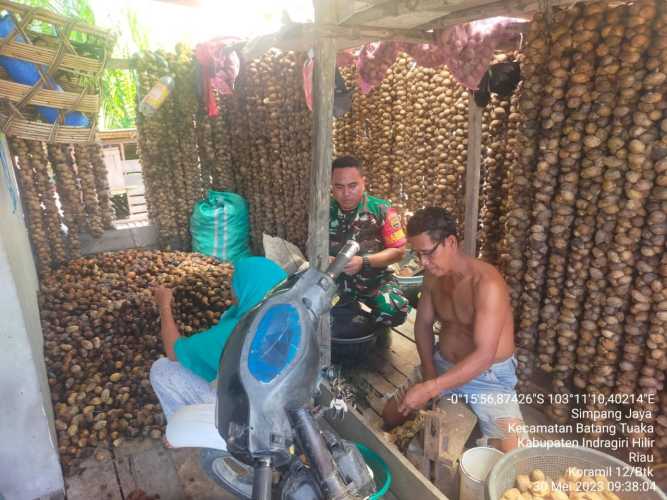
<point>117,136</point>
<point>449,13</point>
<point>512,8</point>
<point>300,37</point>
<point>472,178</point>
<point>320,173</point>
<point>118,64</point>
<point>395,8</point>
<point>375,33</point>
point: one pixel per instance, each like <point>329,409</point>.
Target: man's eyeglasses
<point>426,253</point>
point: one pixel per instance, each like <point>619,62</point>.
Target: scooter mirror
<point>349,250</point>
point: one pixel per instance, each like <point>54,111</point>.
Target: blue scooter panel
<point>276,342</point>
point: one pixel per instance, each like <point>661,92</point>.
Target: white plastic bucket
<point>475,465</point>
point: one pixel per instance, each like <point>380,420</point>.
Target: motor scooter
<point>262,438</point>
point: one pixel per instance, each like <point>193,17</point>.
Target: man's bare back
<point>455,300</point>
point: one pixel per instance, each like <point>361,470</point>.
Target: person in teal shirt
<point>184,376</point>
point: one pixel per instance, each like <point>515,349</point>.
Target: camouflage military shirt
<point>375,226</point>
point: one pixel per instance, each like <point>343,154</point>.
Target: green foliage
<point>118,99</point>
<point>137,32</point>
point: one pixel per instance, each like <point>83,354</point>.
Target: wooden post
<point>320,173</point>
<point>472,178</point>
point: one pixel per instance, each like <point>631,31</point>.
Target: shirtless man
<point>474,356</point>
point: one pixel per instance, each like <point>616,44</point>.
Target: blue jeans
<point>491,395</point>
<point>176,386</point>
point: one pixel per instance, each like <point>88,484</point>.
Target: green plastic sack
<point>220,226</point>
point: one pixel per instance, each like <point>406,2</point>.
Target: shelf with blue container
<point>33,105</point>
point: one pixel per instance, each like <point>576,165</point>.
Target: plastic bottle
<point>157,95</point>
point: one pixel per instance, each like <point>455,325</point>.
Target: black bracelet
<point>365,262</point>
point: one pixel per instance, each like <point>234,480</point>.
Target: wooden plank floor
<point>173,474</point>
<point>387,368</point>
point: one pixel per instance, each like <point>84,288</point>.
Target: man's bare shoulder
<point>488,276</point>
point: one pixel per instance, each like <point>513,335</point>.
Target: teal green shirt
<point>253,279</point>
<point>201,353</point>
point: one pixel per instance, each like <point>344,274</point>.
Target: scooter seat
<point>193,426</point>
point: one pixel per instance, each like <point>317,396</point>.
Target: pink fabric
<point>426,55</point>
<point>374,60</point>
<point>468,48</point>
<point>218,69</point>
<point>347,57</point>
<point>343,58</point>
<point>308,65</point>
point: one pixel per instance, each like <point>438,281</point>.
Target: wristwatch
<point>365,263</point>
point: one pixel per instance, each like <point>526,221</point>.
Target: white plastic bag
<point>285,254</point>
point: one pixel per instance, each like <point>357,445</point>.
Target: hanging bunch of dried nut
<point>262,146</point>
<point>32,205</point>
<point>344,130</point>
<point>259,74</point>
<point>69,194</point>
<point>618,202</point>
<point>408,152</point>
<point>60,197</point>
<point>571,325</point>
<point>458,148</point>
<point>507,204</point>
<point>646,265</point>
<point>52,224</point>
<point>87,178</point>
<point>556,347</point>
<point>410,132</point>
<point>96,155</point>
<point>158,192</point>
<point>545,180</point>
<point>526,117</point>
<point>643,364</point>
<point>494,172</point>
<point>447,147</point>
<point>101,332</point>
<point>276,102</point>
<point>186,106</point>
<point>295,147</point>
<point>604,174</point>
<point>167,143</point>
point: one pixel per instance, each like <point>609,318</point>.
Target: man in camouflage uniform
<point>354,214</point>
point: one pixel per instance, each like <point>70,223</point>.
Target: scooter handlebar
<point>349,250</point>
